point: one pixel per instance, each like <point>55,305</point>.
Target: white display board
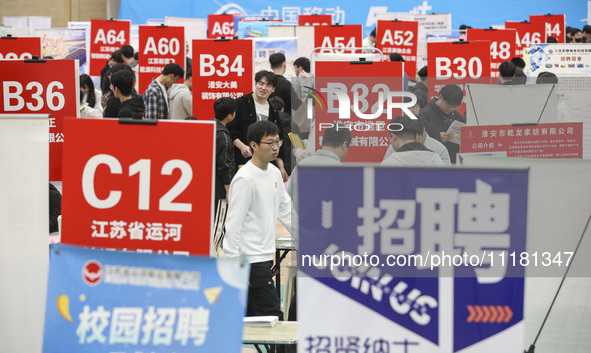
<point>195,28</point>
<point>31,22</point>
<point>304,35</point>
<point>24,215</point>
<point>520,104</point>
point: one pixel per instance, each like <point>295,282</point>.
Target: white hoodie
<point>181,102</point>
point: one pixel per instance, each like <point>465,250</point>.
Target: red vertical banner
<point>106,36</point>
<point>502,45</point>
<point>160,46</point>
<point>315,20</point>
<point>220,26</point>
<point>338,36</point>
<point>42,87</point>
<point>527,33</point>
<point>221,68</point>
<point>155,198</point>
<point>357,95</point>
<point>457,63</point>
<point>554,24</point>
<point>20,48</point>
<point>399,37</point>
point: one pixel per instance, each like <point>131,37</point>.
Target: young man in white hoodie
<point>257,199</point>
<point>181,99</point>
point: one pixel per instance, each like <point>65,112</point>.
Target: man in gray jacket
<point>181,99</point>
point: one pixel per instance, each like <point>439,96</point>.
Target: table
<point>285,332</point>
<point>283,245</point>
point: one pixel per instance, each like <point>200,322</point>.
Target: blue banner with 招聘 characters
<point>101,301</point>
<point>426,252</point>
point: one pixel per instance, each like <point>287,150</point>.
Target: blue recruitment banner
<point>478,14</point>
<point>102,301</point>
<point>420,256</point>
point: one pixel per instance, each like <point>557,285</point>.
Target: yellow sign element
<point>212,294</point>
<point>63,307</point>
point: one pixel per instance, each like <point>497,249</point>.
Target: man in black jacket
<point>440,113</point>
<point>284,89</point>
<point>251,108</point>
<point>225,111</point>
<point>131,107</point>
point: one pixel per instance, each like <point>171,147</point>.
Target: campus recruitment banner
<point>157,198</point>
<point>411,259</point>
<point>102,301</point>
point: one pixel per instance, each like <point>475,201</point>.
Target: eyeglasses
<point>274,144</point>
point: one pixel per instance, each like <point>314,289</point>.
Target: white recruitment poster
<point>435,24</point>
<point>24,214</point>
<point>304,35</point>
<point>411,259</point>
<point>195,28</point>
<point>572,64</point>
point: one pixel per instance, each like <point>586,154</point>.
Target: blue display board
<point>425,252</point>
<point>112,301</point>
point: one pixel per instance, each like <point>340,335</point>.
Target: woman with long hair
<point>90,99</point>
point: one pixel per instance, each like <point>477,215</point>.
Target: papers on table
<point>261,321</point>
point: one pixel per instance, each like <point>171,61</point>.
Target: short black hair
<point>452,94</point>
<point>410,127</point>
<point>550,39</point>
<point>269,75</point>
<point>276,60</point>
<point>260,129</point>
<point>373,33</point>
<point>123,80</point>
<point>127,51</point>
<point>116,55</point>
<point>303,62</point>
<point>335,135</point>
<point>276,102</point>
<point>519,62</point>
<point>546,77</point>
<point>507,70</point>
<point>423,73</point>
<point>396,57</point>
<point>120,67</point>
<point>586,29</point>
<point>223,107</point>
<point>188,74</point>
<point>174,69</point>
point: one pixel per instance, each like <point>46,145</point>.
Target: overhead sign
<point>43,87</point>
<point>154,198</point>
<point>20,47</point>
<point>557,140</point>
<point>554,25</point>
<point>110,301</point>
<point>315,20</point>
<point>160,46</point>
<point>502,45</point>
<point>337,36</point>
<point>527,34</point>
<point>221,68</point>
<point>458,63</point>
<point>106,36</point>
<point>220,26</point>
<point>416,255</point>
<point>399,37</point>
<point>362,96</point>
